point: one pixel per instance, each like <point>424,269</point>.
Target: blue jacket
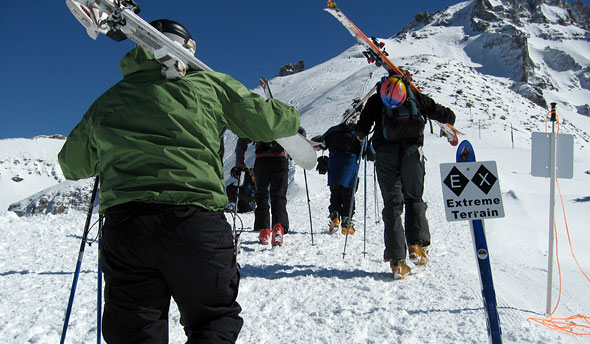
<point>343,162</point>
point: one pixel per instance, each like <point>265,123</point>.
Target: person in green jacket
<point>157,146</point>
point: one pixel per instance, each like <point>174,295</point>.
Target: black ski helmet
<point>175,31</point>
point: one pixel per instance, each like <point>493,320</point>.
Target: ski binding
<point>118,20</point>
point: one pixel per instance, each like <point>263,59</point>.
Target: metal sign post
<point>558,162</point>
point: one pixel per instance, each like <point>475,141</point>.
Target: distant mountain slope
<point>497,64</point>
<point>28,166</point>
<point>542,46</point>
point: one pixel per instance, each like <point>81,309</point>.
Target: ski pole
<point>235,215</point>
<point>99,287</point>
<point>79,263</point>
<point>365,213</point>
<point>356,179</point>
<point>308,206</point>
<point>377,217</point>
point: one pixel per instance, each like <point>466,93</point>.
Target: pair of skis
<point>376,53</point>
<point>357,105</point>
<point>118,20</point>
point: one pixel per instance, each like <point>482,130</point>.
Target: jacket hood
<point>137,60</point>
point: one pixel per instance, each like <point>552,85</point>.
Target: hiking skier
<point>156,146</point>
<point>399,115</point>
<point>271,171</point>
<point>342,166</point>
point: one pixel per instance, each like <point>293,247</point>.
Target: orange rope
<point>568,232</point>
<point>569,324</point>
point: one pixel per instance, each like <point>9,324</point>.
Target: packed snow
<point>307,291</point>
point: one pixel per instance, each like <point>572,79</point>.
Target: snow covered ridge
<point>529,42</point>
<point>57,199</point>
<point>28,166</point>
<point>31,180</point>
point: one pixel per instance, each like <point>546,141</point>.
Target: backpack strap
<point>414,107</point>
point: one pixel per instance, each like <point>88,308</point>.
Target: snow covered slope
<point>303,293</point>
<point>28,166</point>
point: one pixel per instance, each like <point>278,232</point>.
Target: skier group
<point>156,145</point>
<point>396,116</point>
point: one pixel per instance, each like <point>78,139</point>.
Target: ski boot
<point>399,268</point>
<point>334,222</point>
<point>264,236</point>
<point>347,226</point>
<point>277,235</point>
<point>418,254</point>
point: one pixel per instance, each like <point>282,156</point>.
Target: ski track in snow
<point>297,293</point>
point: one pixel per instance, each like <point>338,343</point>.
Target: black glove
<point>235,172</point>
<point>369,153</point>
<point>322,166</point>
<point>359,135</point>
<point>302,131</point>
<point>317,138</point>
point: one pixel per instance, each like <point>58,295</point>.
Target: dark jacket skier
<point>398,116</point>
<point>342,169</point>
<point>157,146</point>
<point>271,171</point>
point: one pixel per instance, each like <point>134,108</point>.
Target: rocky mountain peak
<point>499,36</point>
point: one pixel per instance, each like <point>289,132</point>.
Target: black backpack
<point>405,122</point>
<point>269,147</point>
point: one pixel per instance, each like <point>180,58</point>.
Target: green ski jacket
<point>161,141</point>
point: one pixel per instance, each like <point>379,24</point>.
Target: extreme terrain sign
<point>471,191</point>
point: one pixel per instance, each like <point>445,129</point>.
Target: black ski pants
<point>152,252</point>
<point>244,198</point>
<point>400,171</point>
<point>272,179</point>
<point>340,199</point>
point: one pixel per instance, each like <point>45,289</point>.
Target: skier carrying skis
<point>156,146</point>
<point>342,166</point>
<point>399,116</point>
<point>271,171</point>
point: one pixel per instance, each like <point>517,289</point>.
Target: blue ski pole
<point>465,153</point>
<point>355,183</point>
<point>79,263</point>
<point>99,287</point>
<point>365,212</point>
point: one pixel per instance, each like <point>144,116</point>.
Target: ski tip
<point>332,4</point>
<point>465,152</point>
<point>454,129</point>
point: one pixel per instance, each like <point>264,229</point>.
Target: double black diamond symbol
<point>483,179</point>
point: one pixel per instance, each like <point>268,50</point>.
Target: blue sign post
<point>465,153</point>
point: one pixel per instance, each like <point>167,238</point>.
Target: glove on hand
<point>235,172</point>
<point>369,153</point>
<point>322,166</point>
<point>359,135</point>
<point>317,138</point>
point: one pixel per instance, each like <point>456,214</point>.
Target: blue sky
<point>53,71</point>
